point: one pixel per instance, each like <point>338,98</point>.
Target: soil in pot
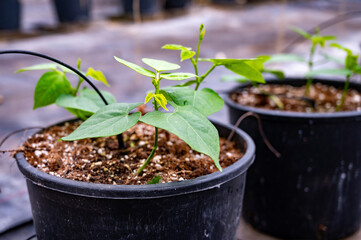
<point>100,160</point>
<point>321,98</point>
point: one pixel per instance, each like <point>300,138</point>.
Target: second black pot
<point>207,207</point>
<point>313,190</point>
<point>73,10</point>
<point>146,7</point>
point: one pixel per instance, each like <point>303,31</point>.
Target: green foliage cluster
<point>55,87</point>
<point>179,109</point>
<point>349,64</point>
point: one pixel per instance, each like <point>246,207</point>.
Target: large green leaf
<point>332,71</point>
<point>244,69</point>
<point>191,126</point>
<point>88,101</point>
<point>206,101</point>
<point>49,87</point>
<point>160,65</point>
<point>136,68</point>
<point>109,121</point>
<point>234,78</point>
<point>177,76</point>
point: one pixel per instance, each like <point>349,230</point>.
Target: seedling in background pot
<point>350,67</point>
<point>316,39</point>
<point>54,87</point>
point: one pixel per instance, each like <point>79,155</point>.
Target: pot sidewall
<point>312,190</point>
<point>208,207</point>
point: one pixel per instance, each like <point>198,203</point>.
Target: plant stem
<point>151,155</point>
<point>155,145</point>
<point>310,66</point>
<point>344,92</point>
<point>200,80</point>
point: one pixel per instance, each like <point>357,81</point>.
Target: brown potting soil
<point>321,98</point>
<point>99,160</point>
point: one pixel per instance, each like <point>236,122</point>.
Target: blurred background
<point>97,30</point>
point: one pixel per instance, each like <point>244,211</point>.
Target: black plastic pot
<point>10,14</point>
<point>208,207</point>
<point>73,10</point>
<point>313,191</point>
<point>146,7</point>
<point>176,4</point>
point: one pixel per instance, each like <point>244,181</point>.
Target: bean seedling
<point>190,108</point>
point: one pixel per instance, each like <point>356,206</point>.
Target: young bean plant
<point>55,87</point>
<point>350,67</point>
<point>316,40</point>
<point>187,118</point>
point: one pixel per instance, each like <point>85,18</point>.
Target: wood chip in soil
<point>324,98</point>
<point>99,160</point>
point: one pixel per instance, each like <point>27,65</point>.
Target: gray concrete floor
<point>233,31</point>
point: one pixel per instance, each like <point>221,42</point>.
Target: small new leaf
<point>202,32</point>
<point>301,32</point>
<point>43,66</point>
<point>149,96</point>
<point>155,180</point>
<point>97,75</point>
<point>161,100</point>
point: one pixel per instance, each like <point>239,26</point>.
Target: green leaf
<point>111,120</point>
<point>245,70</point>
<point>332,71</point>
<point>279,74</point>
<point>301,32</point>
<point>97,75</point>
<point>84,105</point>
<point>43,66</point>
<point>76,103</point>
<point>206,101</point>
<point>161,100</point>
<point>93,95</point>
<point>188,83</point>
<point>155,180</point>
<point>336,45</point>
<point>234,78</point>
<point>160,65</point>
<point>285,58</point>
<point>136,68</point>
<point>331,58</point>
<point>49,87</point>
<point>149,96</point>
<point>186,54</point>
<point>191,126</point>
<point>177,76</point>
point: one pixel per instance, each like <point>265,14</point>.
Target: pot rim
<point>97,190</point>
<point>294,115</point>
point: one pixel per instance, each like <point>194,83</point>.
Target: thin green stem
<point>200,80</point>
<point>198,48</point>
<point>310,67</point>
<point>151,155</point>
<point>155,145</point>
<point>344,92</point>
<point>78,86</point>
